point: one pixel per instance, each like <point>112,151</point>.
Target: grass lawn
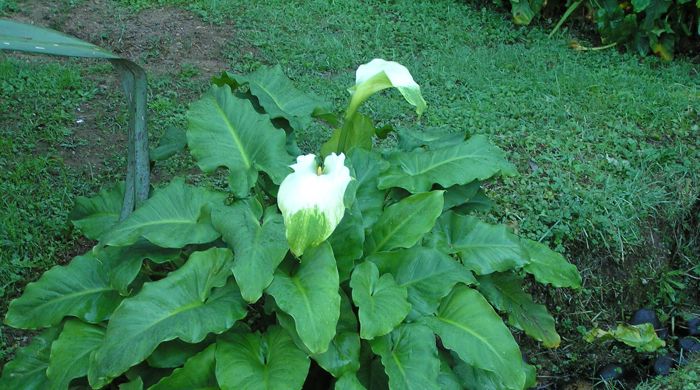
<point>607,144</point>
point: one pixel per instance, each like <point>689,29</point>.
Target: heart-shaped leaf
<point>310,295</point>
<point>404,223</point>
<point>198,373</point>
<point>427,274</point>
<point>418,170</point>
<point>96,215</point>
<point>173,217</point>
<point>28,369</point>
<point>70,353</point>
<point>81,289</point>
<point>410,357</point>
<point>260,362</point>
<point>381,301</point>
<point>482,247</point>
<point>467,324</point>
<point>549,267</point>
<point>258,248</point>
<point>225,131</point>
<point>505,292</point>
<point>188,304</point>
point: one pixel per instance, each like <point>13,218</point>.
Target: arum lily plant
<point>372,265</point>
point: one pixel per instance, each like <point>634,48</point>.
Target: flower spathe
<point>311,200</point>
<point>380,74</point>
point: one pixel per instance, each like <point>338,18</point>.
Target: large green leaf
<point>410,357</point>
<point>347,241</point>
<point>188,304</point>
<point>404,223</point>
<point>310,295</point>
<point>427,274</point>
<point>173,141</point>
<point>27,371</point>
<point>278,96</point>
<point>417,171</point>
<point>258,248</point>
<point>174,353</point>
<point>198,373</point>
<point>467,324</point>
<point>124,263</point>
<point>549,266</point>
<point>366,166</point>
<point>447,379</point>
<point>35,39</point>
<point>81,289</point>
<point>381,301</point>
<point>225,131</point>
<point>173,217</point>
<point>70,353</point>
<point>505,292</point>
<point>482,247</point>
<point>348,382</point>
<point>267,362</point>
<point>343,354</point>
<point>96,215</point>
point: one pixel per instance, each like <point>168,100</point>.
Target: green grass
<point>607,144</point>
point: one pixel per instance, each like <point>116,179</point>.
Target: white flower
<point>311,200</point>
<point>379,74</point>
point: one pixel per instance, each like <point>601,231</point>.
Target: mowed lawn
<point>607,143</point>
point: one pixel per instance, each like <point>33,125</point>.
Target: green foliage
<point>169,274</point>
<point>657,26</point>
<point>643,337</point>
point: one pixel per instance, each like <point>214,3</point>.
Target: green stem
<point>566,15</point>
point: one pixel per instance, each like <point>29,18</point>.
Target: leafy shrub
<point>658,26</point>
<point>198,287</point>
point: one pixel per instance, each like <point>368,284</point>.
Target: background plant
<point>145,305</point>
<point>658,26</point>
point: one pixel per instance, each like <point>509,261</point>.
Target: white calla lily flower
<point>311,200</point>
<point>380,74</point>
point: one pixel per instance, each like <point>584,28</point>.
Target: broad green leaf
<point>417,171</point>
<point>371,375</point>
<point>258,248</point>
<point>404,223</point>
<point>348,382</point>
<point>642,337</point>
<point>35,39</point>
<point>410,357</point>
<point>136,384</point>
<point>81,289</point>
<point>550,267</point>
<point>174,140</point>
<point>124,263</point>
<point>70,353</point>
<point>173,217</point>
<point>278,96</point>
<point>382,303</point>
<point>174,353</point>
<point>96,215</point>
<point>198,373</point>
<point>310,295</point>
<point>343,354</point>
<point>428,138</point>
<point>347,241</point>
<point>479,202</point>
<point>447,379</point>
<point>359,131</point>
<point>27,371</point>
<point>482,247</point>
<point>467,324</point>
<point>225,131</point>
<point>266,362</point>
<point>188,304</point>
<point>367,165</point>
<point>460,194</point>
<point>475,378</point>
<point>427,274</point>
<point>505,292</point>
